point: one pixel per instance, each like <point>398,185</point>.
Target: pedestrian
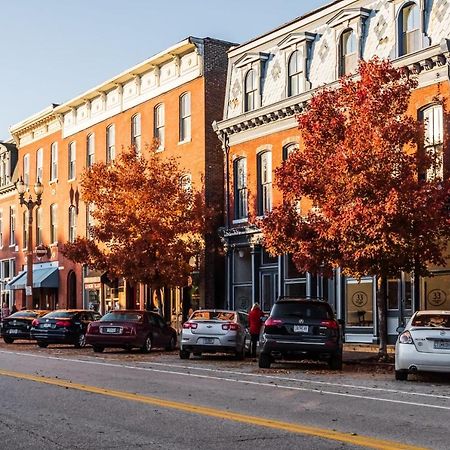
<point>255,322</point>
<point>5,311</point>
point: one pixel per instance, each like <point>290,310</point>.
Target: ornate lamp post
<point>30,204</point>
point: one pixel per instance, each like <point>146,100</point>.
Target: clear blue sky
<point>53,50</point>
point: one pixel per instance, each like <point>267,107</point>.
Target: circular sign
<point>360,299</point>
<point>437,297</point>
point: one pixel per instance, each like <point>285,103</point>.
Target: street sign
<point>28,290</point>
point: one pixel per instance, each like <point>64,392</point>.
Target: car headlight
<point>406,338</point>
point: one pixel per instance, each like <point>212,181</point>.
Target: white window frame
<point>265,182</point>
<point>53,223</point>
<point>136,132</point>
<point>240,190</point>
<point>72,223</point>
<point>409,39</point>
<point>38,225</point>
<point>295,73</point>
<point>72,159</point>
<point>159,125</point>
<point>40,164</point>
<point>54,161</point>
<point>433,120</point>
<point>110,143</point>
<point>250,90</point>
<point>90,150</point>
<point>185,117</point>
<point>26,169</point>
<point>12,226</point>
<point>348,52</point>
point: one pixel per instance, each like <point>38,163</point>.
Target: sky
<point>54,50</point>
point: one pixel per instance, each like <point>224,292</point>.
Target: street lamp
<point>30,204</point>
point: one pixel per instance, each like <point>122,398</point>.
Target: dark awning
<point>42,278</point>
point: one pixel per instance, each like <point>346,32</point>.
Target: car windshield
<point>122,317</point>
<point>24,314</point>
<point>431,320</point>
<point>213,315</point>
<point>60,314</point>
<point>314,311</point>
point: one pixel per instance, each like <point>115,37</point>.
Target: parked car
<point>424,344</point>
<point>18,324</point>
<point>63,326</point>
<point>213,331</point>
<point>300,328</point>
<point>129,329</point>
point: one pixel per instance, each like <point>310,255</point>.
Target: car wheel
<point>98,348</point>
<point>146,348</point>
<point>8,340</point>
<point>42,344</point>
<point>81,341</point>
<point>172,344</point>
<point>335,362</point>
<point>184,354</point>
<point>264,361</point>
<point>401,375</point>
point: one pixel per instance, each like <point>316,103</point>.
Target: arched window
<point>110,143</point>
<point>264,182</point>
<point>294,73</point>
<point>240,188</point>
<point>409,29</point>
<point>158,127</point>
<point>90,149</point>
<point>185,117</point>
<point>71,290</point>
<point>433,144</point>
<point>250,91</point>
<point>136,132</point>
<point>288,149</point>
<point>72,224</point>
<point>348,53</point>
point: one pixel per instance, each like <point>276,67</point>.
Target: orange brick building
<point>173,96</point>
<point>270,80</point>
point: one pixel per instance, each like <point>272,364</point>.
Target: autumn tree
<point>373,213</point>
<point>146,223</point>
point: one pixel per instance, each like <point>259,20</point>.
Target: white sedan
<point>424,344</point>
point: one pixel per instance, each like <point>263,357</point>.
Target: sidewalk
<point>366,354</point>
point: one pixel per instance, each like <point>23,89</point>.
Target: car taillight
<point>273,322</point>
<point>129,331</point>
<point>406,338</point>
<point>93,329</point>
<point>35,323</point>
<point>230,326</point>
<point>329,324</point>
<point>63,323</point>
<point>190,325</point>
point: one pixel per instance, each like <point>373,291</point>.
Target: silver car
<point>215,331</point>
<point>424,344</point>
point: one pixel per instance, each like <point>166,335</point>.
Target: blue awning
<point>42,278</point>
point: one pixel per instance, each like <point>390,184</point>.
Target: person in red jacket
<point>255,322</point>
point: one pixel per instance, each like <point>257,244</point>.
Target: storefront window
<point>392,294</point>
<point>359,302</point>
<point>436,291</point>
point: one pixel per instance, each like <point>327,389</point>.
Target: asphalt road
<point>64,398</point>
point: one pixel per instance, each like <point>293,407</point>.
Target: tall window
<point>186,182</point>
<point>12,225</point>
<point>25,229</point>
<point>54,161</point>
<point>250,91</point>
<point>4,170</point>
<point>39,164</point>
<point>72,224</point>
<point>409,28</point>
<point>159,125</point>
<point>136,132</point>
<point>240,188</point>
<point>264,182</point>
<point>434,139</point>
<point>72,161</point>
<point>294,73</point>
<point>1,228</point>
<point>26,169</point>
<point>288,150</point>
<point>348,53</point>
<point>39,226</point>
<point>185,117</point>
<point>90,149</point>
<point>53,223</point>
<point>110,143</point>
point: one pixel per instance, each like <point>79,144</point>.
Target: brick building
<point>270,80</point>
<point>173,96</point>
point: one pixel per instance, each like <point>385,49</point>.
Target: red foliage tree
<point>146,225</point>
<point>373,214</point>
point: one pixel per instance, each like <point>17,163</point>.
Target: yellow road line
<point>363,441</point>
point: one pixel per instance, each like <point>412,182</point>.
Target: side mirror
<point>400,329</point>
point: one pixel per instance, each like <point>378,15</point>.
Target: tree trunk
<point>382,322</point>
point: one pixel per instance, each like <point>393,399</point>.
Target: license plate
<point>13,331</point>
<point>208,340</point>
<point>442,344</point>
<point>300,328</point>
<point>47,325</point>
<point>111,330</point>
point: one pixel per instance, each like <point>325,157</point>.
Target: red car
<point>129,329</point>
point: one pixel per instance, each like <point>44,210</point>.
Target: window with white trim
<point>348,53</point>
<point>26,169</point>
<point>39,226</point>
<point>90,150</point>
<point>264,182</point>
<point>72,224</point>
<point>185,117</point>
<point>72,154</point>
<point>12,225</point>
<point>294,73</point>
<point>240,188</point>
<point>409,29</point>
<point>25,229</point>
<point>1,228</point>
<point>136,132</point>
<point>39,164</point>
<point>53,223</point>
<point>250,91</point>
<point>433,121</point>
<point>54,161</point>
<point>110,143</point>
<point>159,123</point>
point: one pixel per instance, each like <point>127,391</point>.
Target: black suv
<point>300,328</point>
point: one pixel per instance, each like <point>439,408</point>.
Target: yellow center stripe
<point>323,433</point>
